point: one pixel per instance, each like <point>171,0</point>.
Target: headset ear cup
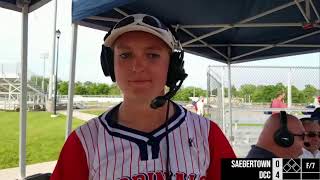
<point>106,60</point>
<point>283,138</point>
<point>176,70</point>
<point>103,61</point>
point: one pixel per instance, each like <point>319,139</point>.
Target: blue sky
<point>89,45</point>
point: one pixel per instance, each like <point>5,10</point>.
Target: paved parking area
<point>14,173</point>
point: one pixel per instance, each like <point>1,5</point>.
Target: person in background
<point>200,106</point>
<point>312,135</point>
<point>268,147</point>
<point>278,102</point>
<point>316,102</point>
<point>194,103</point>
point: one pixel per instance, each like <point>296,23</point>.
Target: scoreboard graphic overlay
<point>274,169</point>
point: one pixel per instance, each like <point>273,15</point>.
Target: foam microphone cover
<point>307,144</point>
<point>158,102</point>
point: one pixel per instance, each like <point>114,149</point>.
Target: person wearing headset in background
<point>147,135</point>
<point>282,137</point>
<point>312,137</point>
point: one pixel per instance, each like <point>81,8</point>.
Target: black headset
<point>175,77</point>
<point>283,137</point>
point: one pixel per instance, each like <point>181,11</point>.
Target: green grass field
<point>45,137</point>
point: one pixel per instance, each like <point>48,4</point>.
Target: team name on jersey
<point>160,175</point>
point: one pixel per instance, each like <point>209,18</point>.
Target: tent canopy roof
<point>223,30</point>
<point>14,4</point>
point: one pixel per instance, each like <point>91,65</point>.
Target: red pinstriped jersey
<point>102,149</point>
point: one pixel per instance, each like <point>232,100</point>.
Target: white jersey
<point>113,151</point>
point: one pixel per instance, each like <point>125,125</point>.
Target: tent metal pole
<point>120,11</point>
<point>99,18</point>
<point>302,12</point>
<point>71,79</point>
<point>252,52</point>
<point>242,22</point>
<point>229,98</point>
<point>23,92</point>
<point>51,76</point>
<point>275,67</point>
<point>307,2</point>
<point>92,25</point>
<point>223,105</point>
<point>314,9</point>
<point>319,72</point>
<point>272,46</point>
<point>256,45</point>
<point>297,24</point>
<point>289,96</point>
<point>203,42</point>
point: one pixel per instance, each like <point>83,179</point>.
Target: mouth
<point>140,82</point>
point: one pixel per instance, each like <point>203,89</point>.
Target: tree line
<point>265,93</point>
<point>90,88</point>
<point>247,92</point>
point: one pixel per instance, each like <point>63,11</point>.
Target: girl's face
<point>141,62</point>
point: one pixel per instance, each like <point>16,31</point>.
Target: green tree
<point>63,87</point>
<point>309,92</point>
<point>80,89</point>
<point>114,90</point>
<point>103,89</point>
<point>234,92</point>
<point>263,93</point>
<point>184,93</point>
<point>92,89</point>
<point>246,89</point>
<point>297,96</point>
<point>87,83</point>
<point>267,93</point>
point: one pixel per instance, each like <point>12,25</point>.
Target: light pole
<point>44,56</point>
<point>58,33</point>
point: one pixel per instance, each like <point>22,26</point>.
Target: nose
<point>138,64</point>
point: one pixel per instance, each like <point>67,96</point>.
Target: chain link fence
<point>301,85</point>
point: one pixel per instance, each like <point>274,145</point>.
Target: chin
<point>141,95</point>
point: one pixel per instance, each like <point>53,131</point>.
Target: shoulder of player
<point>195,117</point>
<point>94,121</point>
<point>90,122</point>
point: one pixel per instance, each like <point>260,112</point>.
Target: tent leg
<point>223,106</point>
<point>289,94</point>
<point>51,75</point>
<point>229,93</point>
<point>23,93</point>
<point>71,79</point>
